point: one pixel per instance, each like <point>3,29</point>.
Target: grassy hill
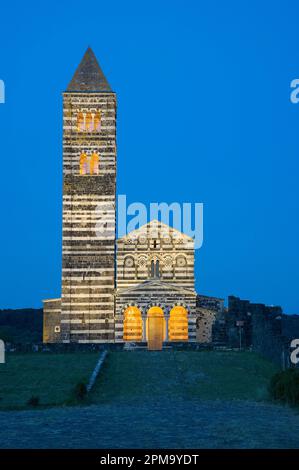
<point>192,375</point>
<point>168,399</point>
<point>134,376</point>
<point>51,377</point>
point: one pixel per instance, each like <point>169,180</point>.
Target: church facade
<point>139,288</point>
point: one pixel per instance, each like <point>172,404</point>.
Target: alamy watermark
<point>184,217</point>
<point>2,92</point>
<point>2,352</point>
<point>294,95</point>
<point>295,353</point>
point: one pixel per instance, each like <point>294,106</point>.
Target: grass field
<point>136,375</point>
<point>205,375</point>
<point>51,377</point>
<point>168,399</point>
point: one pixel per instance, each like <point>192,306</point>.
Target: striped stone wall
<point>155,242</point>
<point>88,245</point>
<point>155,293</point>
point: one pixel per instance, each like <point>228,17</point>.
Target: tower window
<point>89,121</point>
<point>94,164</point>
<point>89,165</point>
<point>84,164</point>
<point>80,122</point>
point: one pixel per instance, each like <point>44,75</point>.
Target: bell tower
<point>89,180</point>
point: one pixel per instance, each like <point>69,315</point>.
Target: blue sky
<point>204,115</point>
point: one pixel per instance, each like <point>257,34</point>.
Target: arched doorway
<point>132,324</point>
<point>155,328</point>
<point>178,324</point>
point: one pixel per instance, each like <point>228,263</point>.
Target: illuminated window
<point>84,164</point>
<point>178,324</point>
<point>80,122</point>
<point>94,164</point>
<point>89,165</point>
<point>132,324</point>
<point>89,121</point>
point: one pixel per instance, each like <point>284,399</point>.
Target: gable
<point>155,229</point>
<point>154,286</point>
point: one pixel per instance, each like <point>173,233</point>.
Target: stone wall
<point>88,264</point>
<point>208,310</point>
<point>52,321</point>
<point>155,293</point>
<point>155,250</point>
<point>265,329</point>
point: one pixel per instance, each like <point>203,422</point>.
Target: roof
<point>155,285</point>
<point>89,76</point>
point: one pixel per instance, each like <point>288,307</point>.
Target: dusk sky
<point>204,115</point>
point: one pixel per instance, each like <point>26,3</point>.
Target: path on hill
<point>164,400</point>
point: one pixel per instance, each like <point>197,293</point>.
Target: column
<point>166,320</point>
<point>144,329</point>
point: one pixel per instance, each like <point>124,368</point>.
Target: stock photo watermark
<point>2,352</point>
<point>294,96</point>
<point>2,92</point>
<point>295,353</point>
<point>184,217</point>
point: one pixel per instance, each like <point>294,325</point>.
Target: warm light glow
<point>80,122</point>
<point>89,122</point>
<point>132,324</point>
<point>89,165</point>
<point>84,166</point>
<point>94,164</point>
<point>155,312</point>
<point>155,328</point>
<point>178,324</point>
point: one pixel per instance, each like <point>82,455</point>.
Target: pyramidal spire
<point>89,75</point>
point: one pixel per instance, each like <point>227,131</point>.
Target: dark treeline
<point>22,325</point>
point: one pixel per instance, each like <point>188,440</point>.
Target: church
<point>139,288</point>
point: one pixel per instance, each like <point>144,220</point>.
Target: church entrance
<point>156,327</point>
